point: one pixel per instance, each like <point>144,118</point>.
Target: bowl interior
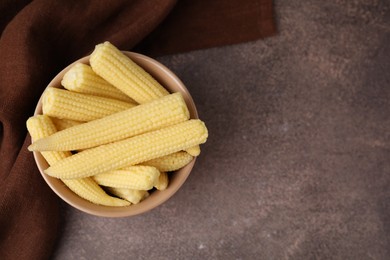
<point>177,178</point>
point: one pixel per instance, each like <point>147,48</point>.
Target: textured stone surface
<point>297,164</point>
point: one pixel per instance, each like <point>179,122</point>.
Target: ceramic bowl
<point>173,84</point>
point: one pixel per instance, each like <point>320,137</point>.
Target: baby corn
<point>133,196</point>
<point>194,151</point>
<point>119,70</point>
<point>131,151</point>
<point>81,78</point>
<point>80,107</point>
<point>150,116</point>
<point>170,162</point>
<point>41,126</point>
<point>133,177</point>
<point>62,124</point>
<point>88,189</point>
<point>162,182</point>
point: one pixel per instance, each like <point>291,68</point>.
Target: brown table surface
<point>297,165</point>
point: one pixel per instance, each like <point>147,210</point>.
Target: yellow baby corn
<point>80,107</point>
<point>150,116</point>
<point>162,182</point>
<point>194,151</point>
<point>41,126</point>
<point>133,196</point>
<point>81,78</point>
<point>88,189</point>
<point>131,151</point>
<point>171,162</point>
<point>133,177</point>
<point>119,70</point>
<point>62,124</point>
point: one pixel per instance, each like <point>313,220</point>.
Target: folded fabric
<point>203,24</point>
<point>40,37</point>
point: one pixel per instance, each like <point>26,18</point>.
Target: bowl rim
<point>135,209</point>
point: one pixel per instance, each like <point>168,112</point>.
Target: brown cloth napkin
<point>40,37</point>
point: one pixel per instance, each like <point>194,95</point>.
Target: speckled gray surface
<point>297,163</point>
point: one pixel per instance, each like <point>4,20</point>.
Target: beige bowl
<point>168,79</point>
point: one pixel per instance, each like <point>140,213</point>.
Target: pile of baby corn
<point>114,133</point>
